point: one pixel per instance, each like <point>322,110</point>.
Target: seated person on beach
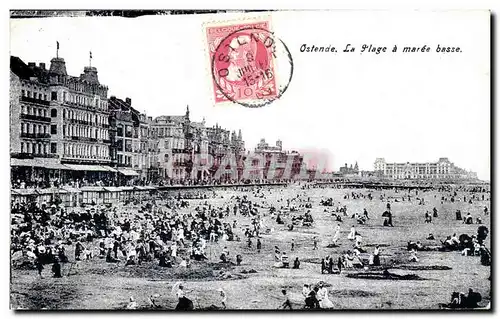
<point>311,300</point>
<point>284,260</point>
<point>296,263</point>
<point>413,256</point>
<point>239,259</point>
<point>468,219</point>
<point>449,243</point>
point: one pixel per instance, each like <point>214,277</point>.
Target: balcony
<point>74,121</point>
<point>31,155</point>
<point>46,155</point>
<point>35,118</point>
<point>35,101</point>
<point>83,138</point>
<point>35,135</point>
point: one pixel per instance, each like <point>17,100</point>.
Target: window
<point>119,130</point>
<point>53,129</point>
<point>35,95</point>
<point>119,145</point>
<point>23,92</point>
<point>65,97</point>
<point>53,113</point>
<point>45,97</point>
<point>53,96</point>
<point>128,146</point>
<point>22,147</point>
<point>53,148</point>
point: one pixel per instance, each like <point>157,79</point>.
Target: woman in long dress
<point>324,301</point>
<point>352,234</point>
<point>376,256</point>
<point>337,235</point>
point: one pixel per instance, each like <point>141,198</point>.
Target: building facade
<point>58,119</point>
<point>349,170</point>
<point>443,169</point>
<point>173,136</point>
<point>281,157</point>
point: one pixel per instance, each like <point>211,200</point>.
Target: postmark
<point>249,64</point>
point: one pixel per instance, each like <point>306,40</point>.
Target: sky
<point>405,107</point>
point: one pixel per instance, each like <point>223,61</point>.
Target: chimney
<point>42,66</point>
<point>31,64</point>
<point>128,101</point>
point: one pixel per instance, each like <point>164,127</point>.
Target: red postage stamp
<point>243,59</point>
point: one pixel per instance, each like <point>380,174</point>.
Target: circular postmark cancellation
<point>251,67</point>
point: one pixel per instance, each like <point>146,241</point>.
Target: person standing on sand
<point>306,290</point>
<point>56,269</point>
<point>324,301</point>
<point>286,304</point>
<point>389,222</point>
<point>39,267</point>
<point>173,249</point>
<point>293,245</point>
<point>223,297</point>
<point>315,243</point>
<point>352,234</point>
<point>259,245</point>
<point>376,256</point>
<point>337,234</point>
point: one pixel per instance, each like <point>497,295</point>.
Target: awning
<point>24,191</point>
<point>51,190</point>
<point>127,188</point>
<point>140,188</point>
<point>37,162</point>
<point>89,168</point>
<point>92,189</point>
<point>112,189</point>
<point>70,189</point>
<point>127,172</point>
<point>110,169</point>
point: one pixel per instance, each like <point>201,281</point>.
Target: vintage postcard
<point>250,160</point>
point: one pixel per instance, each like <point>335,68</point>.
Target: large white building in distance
<point>442,169</point>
